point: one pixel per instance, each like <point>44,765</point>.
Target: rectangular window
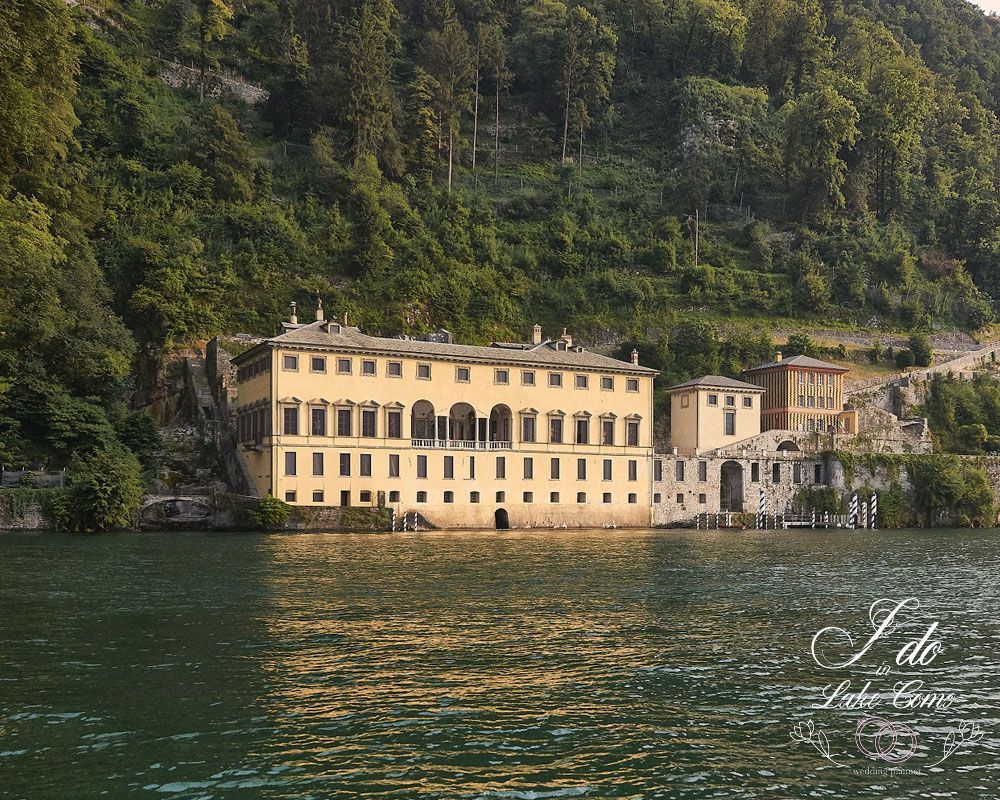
<point>680,499</point>
<point>797,472</point>
<point>462,374</point>
<point>394,369</point>
<point>754,472</point>
<point>583,431</point>
<point>343,366</point>
<point>633,470</point>
<point>730,423</point>
<point>472,468</point>
<point>747,402</point>
<point>555,379</point>
<point>344,416</point>
<point>393,465</point>
<point>289,497</point>
<point>290,463</point>
<point>679,470</point>
<point>657,470</point>
<point>501,376</point>
<point>702,471</point>
<point>607,469</point>
<point>394,496</point>
<point>581,497</point>
<point>317,364</point>
<point>529,468</point>
<point>581,382</point>
<point>731,400</point>
<point>606,498</point>
<point>702,499</point>
<point>501,497</point>
<point>817,473</point>
<point>424,372</point>
<point>633,433</point>
<point>607,383</point>
<point>449,467</point>
<point>607,431</point>
<point>501,468</point>
<point>290,363</point>
<point>318,426</point>
<point>776,473</point>
<point>290,421</point>
<point>318,496</point>
<point>802,401</point>
<point>365,496</point>
<point>553,497</point>
<point>317,463</point>
<point>345,464</point>
<point>421,466</point>
<point>421,497</point>
<point>368,422</point>
<point>473,497</point>
<point>528,497</point>
<point>449,497</point>
<point>632,385</point>
<point>365,467</point>
<point>555,430</point>
<point>713,399</point>
<point>554,469</point>
<point>394,424</point>
<point>528,378</point>
<point>581,469</point>
<point>527,429</point>
<point>368,366</point>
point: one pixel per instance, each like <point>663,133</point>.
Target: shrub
<point>271,513</point>
<point>105,490</point>
<point>904,359</point>
<point>920,346</point>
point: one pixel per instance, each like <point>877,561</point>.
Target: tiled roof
<point>799,361</point>
<point>349,339</point>
<point>717,382</point>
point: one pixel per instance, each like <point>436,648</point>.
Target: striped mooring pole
<point>864,514</point>
<point>761,511</point>
<point>874,517</point>
<point>852,517</point>
<point>814,518</point>
<point>826,519</point>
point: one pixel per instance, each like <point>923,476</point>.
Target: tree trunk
<point>475,115</point>
<point>566,121</point>
<point>496,137</point>
<point>451,147</point>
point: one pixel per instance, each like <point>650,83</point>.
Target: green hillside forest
<point>648,171</point>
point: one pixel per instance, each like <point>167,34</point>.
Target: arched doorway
<point>422,420</point>
<point>501,519</point>
<point>500,423</point>
<point>731,487</point>
<point>462,423</point>
<point>788,446</point>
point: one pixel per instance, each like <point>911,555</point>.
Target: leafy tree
<point>106,490</point>
<point>817,126</point>
<point>224,154</point>
<point>920,347</point>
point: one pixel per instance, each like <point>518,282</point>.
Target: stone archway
<point>502,520</point>
<point>731,487</point>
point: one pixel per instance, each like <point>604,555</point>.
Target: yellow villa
<point>521,434</point>
<point>713,411</point>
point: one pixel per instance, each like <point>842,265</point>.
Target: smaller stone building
<point>729,479</point>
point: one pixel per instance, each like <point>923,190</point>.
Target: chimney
<point>343,319</point>
<point>777,356</point>
<point>319,309</point>
<point>293,317</point>
<point>635,357</point>
<point>566,338</point>
<point>536,334</point>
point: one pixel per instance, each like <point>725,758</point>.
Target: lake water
<point>588,664</point>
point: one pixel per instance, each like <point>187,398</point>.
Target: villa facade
<point>521,434</point>
<point>803,394</point>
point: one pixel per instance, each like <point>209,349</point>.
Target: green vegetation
<point>271,513</point>
<point>105,490</point>
<point>964,416</point>
<point>621,168</point>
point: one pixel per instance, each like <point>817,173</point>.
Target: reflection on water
<point>591,664</point>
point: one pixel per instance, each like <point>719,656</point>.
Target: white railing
<point>458,444</point>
